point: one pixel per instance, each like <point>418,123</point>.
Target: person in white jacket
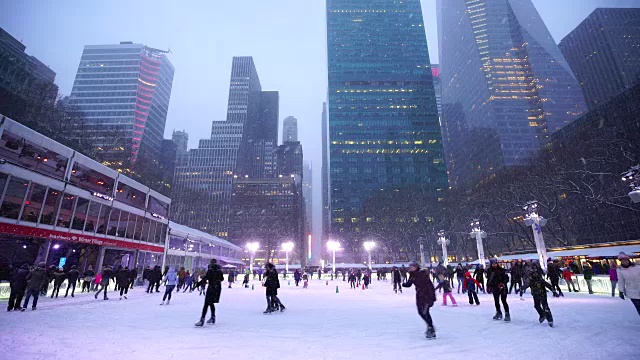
<point>629,280</point>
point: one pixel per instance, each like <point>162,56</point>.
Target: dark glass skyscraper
<point>505,86</point>
<point>604,53</point>
<point>383,121</point>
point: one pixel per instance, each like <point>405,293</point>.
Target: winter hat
<point>467,274</point>
<point>213,261</point>
<point>623,256</point>
<point>414,263</point>
<point>549,260</point>
<point>493,261</point>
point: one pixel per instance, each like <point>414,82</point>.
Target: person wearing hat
<point>425,295</point>
<point>553,274</point>
<point>214,279</point>
<point>629,280</point>
<point>497,280</point>
<point>35,280</point>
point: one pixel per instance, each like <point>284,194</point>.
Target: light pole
<point>536,222</point>
<point>421,243</point>
<point>286,247</point>
<point>368,245</point>
<point>252,247</point>
<point>633,176</point>
<point>479,235</point>
<point>333,247</point>
<point>443,241</point>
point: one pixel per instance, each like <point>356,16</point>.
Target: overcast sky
<point>285,37</point>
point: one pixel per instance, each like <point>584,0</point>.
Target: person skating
<point>157,277</point>
<point>230,278</point>
<point>88,279</point>
<point>567,275</point>
<point>629,280</point>
<point>123,277</point>
<point>397,280</point>
<point>459,276</point>
<point>133,275</point>
<point>35,280</point>
<point>272,285</point>
<point>478,274</point>
<point>188,278</point>
<point>49,273</point>
<point>403,273</point>
<point>497,280</point>
<point>245,282</point>
<point>366,279</point>
<point>588,276</point>
<point>181,277</point>
<point>296,277</point>
<point>107,274</point>
<point>170,280</point>
<point>18,284</point>
<point>539,292</point>
<point>72,279</point>
<point>553,274</point>
<point>425,295</point>
<point>469,285</point>
<point>517,272</point>
<point>213,279</point>
<point>613,277</point>
<point>305,280</point>
<point>448,292</point>
<point>352,280</point>
<point>58,278</point>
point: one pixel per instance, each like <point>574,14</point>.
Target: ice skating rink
<point>318,324</point>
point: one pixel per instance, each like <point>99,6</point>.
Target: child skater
<point>446,287</point>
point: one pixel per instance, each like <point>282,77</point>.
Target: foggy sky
<point>285,37</point>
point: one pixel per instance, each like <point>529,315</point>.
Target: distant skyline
<point>285,37</point>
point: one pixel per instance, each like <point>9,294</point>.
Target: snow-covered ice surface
<point>318,324</point>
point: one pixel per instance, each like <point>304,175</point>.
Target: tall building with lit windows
<point>123,90</point>
<point>506,87</point>
<point>383,120</point>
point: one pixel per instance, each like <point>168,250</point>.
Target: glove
<point>621,295</point>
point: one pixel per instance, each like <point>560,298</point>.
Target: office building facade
<point>604,53</point>
<point>290,129</point>
<point>505,86</point>
<point>383,119</point>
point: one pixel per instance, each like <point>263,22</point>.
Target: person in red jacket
<point>425,295</point>
<point>567,275</point>
<point>470,285</point>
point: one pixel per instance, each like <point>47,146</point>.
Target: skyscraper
<point>326,204</point>
<point>307,193</point>
<point>505,86</point>
<point>383,120</point>
<point>123,90</point>
<point>604,53</point>
<point>181,138</point>
<point>437,85</point>
<point>290,129</point>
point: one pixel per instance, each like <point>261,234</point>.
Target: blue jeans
<point>460,281</point>
<point>32,292</point>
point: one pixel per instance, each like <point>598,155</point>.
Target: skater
<point>123,277</point>
<point>425,295</point>
<point>553,274</point>
<point>188,281</point>
<point>170,280</point>
<point>58,278</point>
<point>296,277</point>
<point>397,280</point>
<point>459,276</point>
<point>517,272</point>
<point>588,276</point>
<point>133,275</point>
<point>359,276</point>
<point>448,292</point>
<point>49,272</point>
<point>260,274</point>
<point>272,284</point>
<point>72,279</point>
<point>305,280</point>
<point>539,291</point>
<point>366,280</point>
<point>146,273</point>
<point>403,273</point>
<point>88,279</point>
<point>469,285</point>
<point>497,280</point>
<point>230,278</point>
<point>181,275</point>
<point>478,273</point>
<point>35,280</point>
<point>352,280</point>
<point>107,274</point>
<point>567,275</point>
<point>213,278</point>
<point>18,285</point>
<point>613,277</point>
<point>629,280</point>
<point>245,282</point>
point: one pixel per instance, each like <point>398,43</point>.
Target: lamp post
<point>536,222</point>
<point>421,243</point>
<point>633,176</point>
<point>443,241</point>
<point>287,247</point>
<point>333,247</point>
<point>368,245</point>
<point>479,235</point>
<point>252,247</point>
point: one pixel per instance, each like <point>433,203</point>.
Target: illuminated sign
<point>63,260</point>
<point>102,196</point>
<point>158,216</point>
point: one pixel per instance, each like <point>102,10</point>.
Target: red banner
<point>22,230</point>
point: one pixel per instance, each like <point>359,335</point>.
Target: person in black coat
<point>497,280</point>
<point>397,280</point>
<point>158,275</point>
<point>539,291</point>
<point>18,284</point>
<point>35,282</point>
<point>517,271</point>
<point>214,280</point>
<point>554,274</point>
<point>58,278</point>
<point>425,295</point>
<point>87,283</point>
<point>478,274</point>
<point>72,279</point>
<point>123,277</point>
<point>49,276</point>
<point>133,275</point>
<point>272,284</point>
<point>107,274</point>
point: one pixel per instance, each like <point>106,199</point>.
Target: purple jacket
<point>613,274</point>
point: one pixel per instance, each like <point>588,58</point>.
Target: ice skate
<point>212,320</point>
<point>507,317</point>
<point>431,333</point>
<point>120,298</point>
<point>162,303</point>
<point>549,319</point>
<point>541,319</point>
<point>125,297</point>
<point>200,323</point>
<point>282,308</point>
<point>168,301</point>
<point>497,316</point>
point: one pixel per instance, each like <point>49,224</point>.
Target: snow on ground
<point>318,324</point>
